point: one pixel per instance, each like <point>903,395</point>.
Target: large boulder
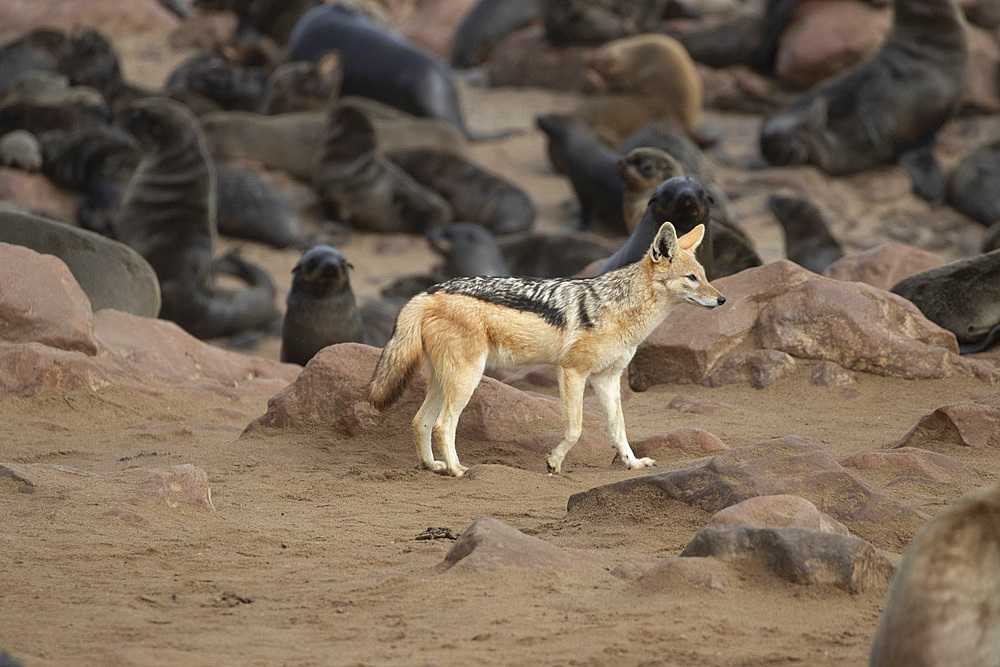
<point>797,555</point>
<point>41,302</point>
<point>965,424</point>
<point>787,465</point>
<point>780,312</point>
<point>330,397</point>
<point>112,274</point>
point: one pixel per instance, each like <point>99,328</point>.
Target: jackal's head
<point>677,272</point>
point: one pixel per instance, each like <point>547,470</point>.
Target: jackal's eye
<point>693,278</point>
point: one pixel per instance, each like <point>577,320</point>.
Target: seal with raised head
<point>681,200</point>
<point>167,214</point>
<point>302,85</point>
<point>321,308</point>
<point>961,296</point>
<point>808,241</point>
<point>368,190</point>
<point>474,193</point>
<point>891,103</point>
<point>592,169</point>
<point>382,65</point>
<point>943,605</point>
<point>642,170</point>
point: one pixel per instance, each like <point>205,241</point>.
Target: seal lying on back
<point>367,189</point>
<point>681,200</point>
<point>380,64</point>
<point>963,297</point>
<point>943,605</point>
<point>876,110</point>
<point>321,307</point>
<point>167,214</point>
<point>475,194</point>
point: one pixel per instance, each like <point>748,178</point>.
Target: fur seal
<point>468,249</point>
<point>749,37</point>
<point>592,169</point>
<point>209,82</point>
<point>943,605</point>
<point>881,107</point>
<point>110,273</point>
<point>167,214</point>
<point>991,240</point>
<point>321,308</point>
<point>681,200</point>
<point>582,22</point>
<point>302,85</point>
<point>962,296</point>
<point>645,78</point>
<point>808,241</point>
<point>486,24</point>
<point>971,187</point>
<point>475,194</point>
<point>381,65</point>
<point>642,170</point>
<point>367,189</point>
<point>42,100</point>
<point>249,208</point>
<point>553,254</point>
<point>40,49</point>
<point>21,150</point>
<point>274,18</point>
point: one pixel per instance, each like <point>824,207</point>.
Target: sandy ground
<point>311,556</point>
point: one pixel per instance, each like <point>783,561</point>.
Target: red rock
<point>489,544</point>
<point>909,462</point>
<point>691,441</point>
<point>694,404</point>
<point>177,485</point>
<point>884,265</point>
<point>967,424</point>
<point>27,368</point>
<point>780,510</point>
<point>40,301</point>
<point>827,36</point>
<point>829,374</point>
<point>148,347</point>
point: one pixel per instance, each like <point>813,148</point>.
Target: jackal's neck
<point>629,291</point>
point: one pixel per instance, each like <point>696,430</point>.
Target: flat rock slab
<point>910,462</point>
<point>111,274</point>
<point>783,510</point>
<point>787,465</point>
<point>797,555</point>
<point>884,265</point>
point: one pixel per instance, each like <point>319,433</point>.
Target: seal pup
<point>167,214</point>
<point>274,18</point>
<point>592,169</point>
<point>971,187</point>
<point>943,605</point>
<point>991,240</point>
<point>681,200</point>
<point>20,149</point>
<point>642,170</point>
<point>962,297</point>
<point>367,189</point>
<point>808,241</point>
<point>40,100</point>
<point>382,65</point>
<point>474,193</point>
<point>485,26</point>
<point>210,82</point>
<point>893,102</point>
<point>302,85</point>
<point>321,308</point>
<point>586,22</point>
<point>468,249</point>
<point>555,254</point>
<point>40,49</point>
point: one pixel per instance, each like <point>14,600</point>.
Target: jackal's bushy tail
<point>400,360</point>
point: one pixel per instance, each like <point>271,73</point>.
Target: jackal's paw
<point>439,467</point>
<point>554,465</point>
<point>636,464</point>
<point>457,471</point>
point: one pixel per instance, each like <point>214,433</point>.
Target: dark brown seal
<point>808,241</point>
<point>486,24</point>
<point>467,249</point>
<point>250,208</point>
<point>642,170</point>
<point>962,296</point>
<point>321,308</point>
<point>366,188</point>
<point>167,214</point>
<point>893,102</point>
<point>972,183</point>
<point>474,193</point>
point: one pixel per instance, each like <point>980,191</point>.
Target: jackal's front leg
<point>609,392</point>
<point>571,385</point>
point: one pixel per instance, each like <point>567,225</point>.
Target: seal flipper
<point>924,171</point>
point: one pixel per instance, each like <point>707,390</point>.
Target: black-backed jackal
<point>589,327</point>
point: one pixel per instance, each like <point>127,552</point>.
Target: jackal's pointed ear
<point>665,243</point>
<point>692,239</point>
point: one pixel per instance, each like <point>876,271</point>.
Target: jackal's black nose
<point>721,300</point>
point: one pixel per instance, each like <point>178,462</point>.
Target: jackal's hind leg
<point>609,393</point>
<point>457,389</point>
<point>423,424</point>
<point>571,386</point>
